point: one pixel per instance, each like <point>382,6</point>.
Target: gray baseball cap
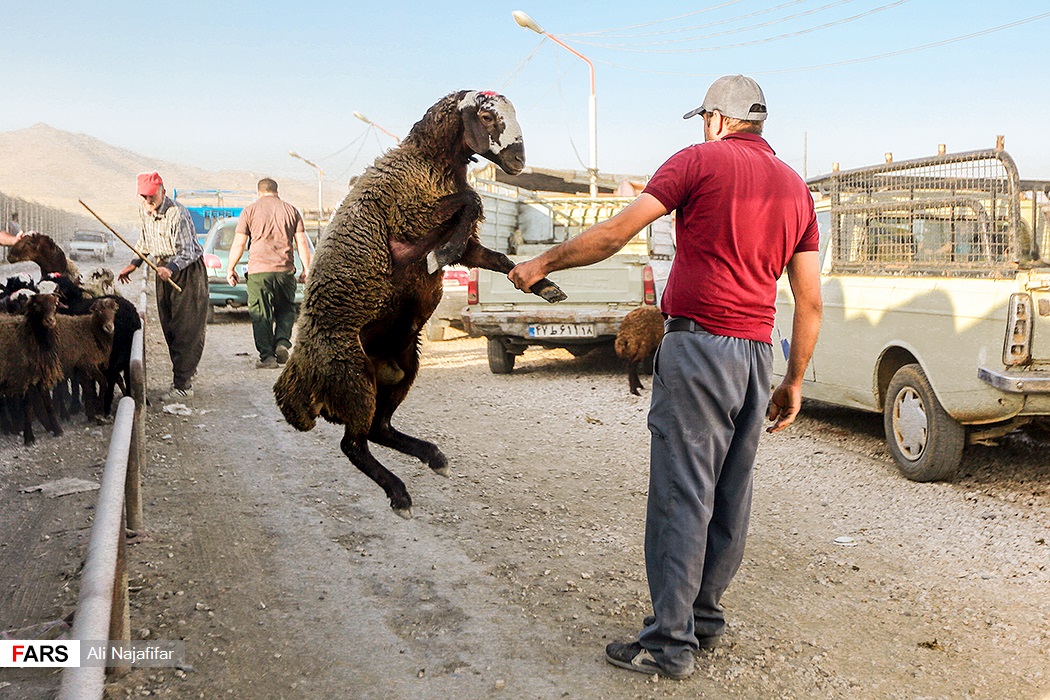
<point>736,96</point>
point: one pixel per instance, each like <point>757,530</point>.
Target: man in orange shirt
<point>274,229</point>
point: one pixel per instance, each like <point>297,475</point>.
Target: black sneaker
<point>634,657</point>
<point>705,642</point>
<point>282,354</point>
<point>268,363</point>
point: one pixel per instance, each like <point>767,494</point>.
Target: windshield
<point>88,236</point>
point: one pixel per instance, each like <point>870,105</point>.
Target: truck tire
<point>925,441</point>
<point>501,360</point>
<point>210,318</point>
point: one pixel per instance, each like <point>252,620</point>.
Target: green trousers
<point>271,306</point>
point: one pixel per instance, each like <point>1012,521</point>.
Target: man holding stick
<point>168,237</point>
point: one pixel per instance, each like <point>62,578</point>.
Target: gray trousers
<point>183,318</point>
<point>709,399</point>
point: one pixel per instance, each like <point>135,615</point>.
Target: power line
<point>728,20</point>
<point>656,21</point>
<point>737,30</point>
<point>778,37</point>
<point>847,62</point>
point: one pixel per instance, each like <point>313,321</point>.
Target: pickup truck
<point>936,303</point>
<point>523,224</point>
<point>91,244</point>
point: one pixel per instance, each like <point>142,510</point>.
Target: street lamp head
<point>527,22</point>
<point>293,154</point>
<point>362,117</point>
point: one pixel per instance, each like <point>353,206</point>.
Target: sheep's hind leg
<point>428,453</point>
<point>355,448</point>
<point>632,378</point>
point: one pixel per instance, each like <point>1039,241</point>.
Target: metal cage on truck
<point>951,214</point>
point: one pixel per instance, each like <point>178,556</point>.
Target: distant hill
<point>55,168</point>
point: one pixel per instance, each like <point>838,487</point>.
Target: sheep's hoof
<point>442,471</point>
<point>432,263</point>
<point>548,291</point>
<point>405,513</point>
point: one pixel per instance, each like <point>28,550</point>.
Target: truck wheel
<point>501,360</point>
<point>210,318</point>
<point>925,441</point>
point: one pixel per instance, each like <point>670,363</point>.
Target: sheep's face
<point>104,312</point>
<point>43,306</point>
<point>491,129</point>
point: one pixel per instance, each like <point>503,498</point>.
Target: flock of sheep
<point>66,343</point>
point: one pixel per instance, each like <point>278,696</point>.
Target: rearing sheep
<point>376,279</point>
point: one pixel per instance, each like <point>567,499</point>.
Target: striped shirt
<point>169,235</point>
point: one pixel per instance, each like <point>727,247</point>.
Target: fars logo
<point>39,653</point>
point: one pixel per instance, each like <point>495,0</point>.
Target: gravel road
<point>288,575</point>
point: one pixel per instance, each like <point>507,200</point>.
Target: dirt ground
<point>288,576</point>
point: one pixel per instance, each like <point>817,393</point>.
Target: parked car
<point>91,244</point>
<point>217,256</point>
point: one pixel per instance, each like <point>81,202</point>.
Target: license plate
<point>562,330</point>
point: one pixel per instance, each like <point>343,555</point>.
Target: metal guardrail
<point>102,611</point>
<point>102,606</point>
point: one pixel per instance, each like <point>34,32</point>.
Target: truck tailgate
<point>616,281</point>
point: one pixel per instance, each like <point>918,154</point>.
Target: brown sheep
<point>42,249</point>
<point>31,365</point>
<point>84,346</point>
<point>640,334</point>
<point>376,279</point>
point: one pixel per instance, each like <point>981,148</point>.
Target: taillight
<point>472,286</point>
<point>1018,347</point>
<point>212,261</point>
<point>648,285</point>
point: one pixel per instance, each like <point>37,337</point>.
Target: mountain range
<point>56,168</point>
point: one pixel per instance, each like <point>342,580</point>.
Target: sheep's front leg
<point>452,222</point>
<point>477,255</point>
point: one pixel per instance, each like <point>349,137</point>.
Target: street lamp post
<point>368,121</point>
<point>320,188</point>
<point>527,22</point>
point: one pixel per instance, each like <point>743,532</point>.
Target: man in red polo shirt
<point>743,216</point>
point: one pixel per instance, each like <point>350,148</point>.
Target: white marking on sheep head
<point>490,129</point>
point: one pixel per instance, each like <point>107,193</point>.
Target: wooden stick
<point>125,242</point>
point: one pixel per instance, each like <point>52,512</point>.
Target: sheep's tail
<point>294,397</point>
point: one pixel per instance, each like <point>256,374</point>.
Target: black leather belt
<point>682,324</point>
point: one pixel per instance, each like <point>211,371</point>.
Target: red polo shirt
<point>741,214</point>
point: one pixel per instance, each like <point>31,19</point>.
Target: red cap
<point>149,183</point>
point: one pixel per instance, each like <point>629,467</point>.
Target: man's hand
<point>526,274</point>
<point>125,274</point>
<point>302,277</point>
<point>231,277</point>
<point>163,273</point>
<point>784,406</point>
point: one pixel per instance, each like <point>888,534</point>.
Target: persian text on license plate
<point>562,330</point>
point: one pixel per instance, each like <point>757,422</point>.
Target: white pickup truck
<point>522,224</point>
<point>91,244</point>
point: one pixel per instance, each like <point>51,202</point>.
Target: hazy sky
<point>238,84</point>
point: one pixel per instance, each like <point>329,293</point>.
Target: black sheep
<point>127,321</point>
<point>376,279</point>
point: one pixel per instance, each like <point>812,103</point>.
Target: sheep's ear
<point>474,133</point>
